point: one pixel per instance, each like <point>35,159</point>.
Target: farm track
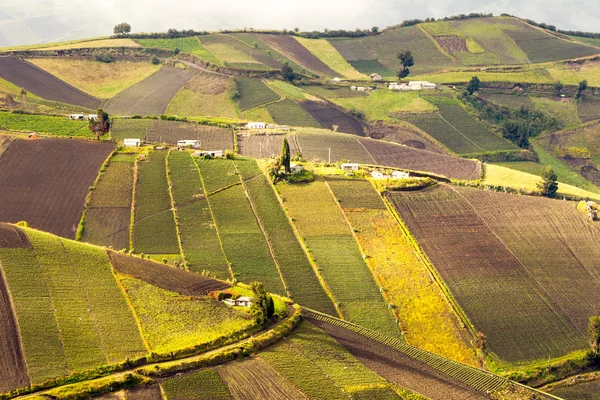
<point>13,369</point>
<point>165,277</point>
<point>409,367</point>
<point>45,182</point>
<point>43,84</point>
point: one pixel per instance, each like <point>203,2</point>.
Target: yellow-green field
<point>204,95</point>
<point>380,105</point>
<point>502,176</point>
<point>330,56</point>
<point>92,44</point>
<point>99,79</point>
<point>228,54</point>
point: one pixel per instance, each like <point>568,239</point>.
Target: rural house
<point>376,77</point>
<point>132,142</point>
<point>92,116</point>
<point>211,153</point>
<point>77,117</point>
<point>189,143</point>
<point>421,85</point>
<point>295,168</point>
<point>242,301</point>
<point>349,167</point>
<point>256,125</point>
<point>377,175</point>
<point>400,175</point>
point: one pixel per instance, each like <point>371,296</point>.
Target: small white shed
<point>92,116</point>
<point>132,142</point>
<point>242,301</point>
<point>349,167</point>
<point>295,168</point>
<point>377,175</point>
<point>256,125</point>
<point>189,143</point>
<point>213,153</point>
<point>76,117</point>
<point>400,175</point>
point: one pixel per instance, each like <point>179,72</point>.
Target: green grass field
<point>329,239</point>
<point>369,67</point>
<point>288,112</point>
<point>199,237</point>
<point>154,228</point>
<point>56,126</point>
<point>253,92</point>
<point>330,56</point>
<point>382,105</point>
<point>202,385</point>
<point>288,90</point>
<point>333,91</point>
<point>173,322</point>
<point>204,95</point>
<point>129,129</point>
<point>300,279</point>
<point>187,45</point>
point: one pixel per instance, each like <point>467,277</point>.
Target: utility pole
<point>329,162</point>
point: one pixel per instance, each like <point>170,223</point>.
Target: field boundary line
<point>367,150</point>
<point>87,298</point>
<point>374,274</point>
<point>310,258</point>
<point>15,319</point>
<point>462,316</point>
<point>212,214</point>
<point>546,298</point>
<point>174,209</point>
<point>262,228</point>
<point>133,195</point>
<point>458,130</point>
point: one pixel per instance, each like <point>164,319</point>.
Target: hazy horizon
<point>38,21</point>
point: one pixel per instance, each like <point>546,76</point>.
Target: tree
<point>407,60</point>
<point>583,85</point>
<point>548,185</point>
<point>287,72</point>
<point>594,332</point>
<point>558,87</point>
<point>100,125</point>
<point>260,308</point>
<point>285,155</point>
<point>122,28</point>
<point>155,60</point>
<point>473,85</point>
<point>375,29</point>
<point>516,132</point>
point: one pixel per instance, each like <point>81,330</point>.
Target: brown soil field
<point>108,226</point>
<point>13,370</point>
<point>39,82</point>
<point>45,182</point>
<point>163,276</point>
<point>329,115</point>
<point>5,142</point>
<point>491,274</point>
<point>12,237</point>
<point>264,146</point>
<point>398,367</point>
<point>150,96</point>
<point>406,135</point>
<point>404,157</point>
<point>211,137</point>
<point>292,49</point>
<point>452,44</point>
<point>254,378</point>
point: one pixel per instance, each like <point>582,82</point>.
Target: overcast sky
<point>66,19</point>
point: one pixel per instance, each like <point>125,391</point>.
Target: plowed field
<point>165,277</point>
<point>328,116</point>
<point>39,82</point>
<point>45,182</point>
<point>150,96</point>
<point>211,137</point>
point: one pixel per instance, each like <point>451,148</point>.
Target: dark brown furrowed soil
<point>12,237</point>
<point>41,83</point>
<point>152,95</point>
<point>453,44</point>
<point>297,53</point>
<point>163,276</point>
<point>329,115</point>
<point>45,182</point>
<point>398,367</point>
<point>420,160</point>
<point>13,370</point>
<point>406,135</point>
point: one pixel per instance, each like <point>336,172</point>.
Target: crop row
<point>57,126</point>
<point>480,380</point>
<point>288,112</point>
<point>201,385</point>
<point>299,277</point>
<point>210,137</point>
<point>253,92</point>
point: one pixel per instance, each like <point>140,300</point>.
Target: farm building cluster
<point>412,85</point>
<point>264,125</point>
<point>393,175</point>
<point>82,117</point>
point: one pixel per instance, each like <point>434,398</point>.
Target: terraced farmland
<point>45,182</point>
<point>39,82</point>
<point>589,110</point>
<point>329,239</point>
<point>154,223</point>
<point>108,213</point>
<point>254,55</point>
<point>129,129</point>
<point>319,146</point>
<point>186,45</point>
<point>332,118</point>
<point>253,92</point>
<point>204,95</point>
<point>72,314</point>
<point>150,96</point>
<point>264,146</point>
<point>422,307</point>
<point>201,385</point>
<point>300,279</point>
<point>288,112</point>
<point>211,137</point>
<point>492,281</point>
<point>55,126</point>
<point>330,56</point>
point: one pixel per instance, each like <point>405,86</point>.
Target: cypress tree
<point>285,155</point>
<point>548,185</point>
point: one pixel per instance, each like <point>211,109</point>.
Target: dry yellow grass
<point>99,79</point>
<point>96,44</point>
<point>228,54</point>
<point>204,95</point>
<point>423,310</point>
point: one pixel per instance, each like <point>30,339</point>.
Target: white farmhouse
<point>213,153</point>
<point>420,85</point>
<point>349,167</point>
<point>377,175</point>
<point>295,168</point>
<point>376,77</point>
<point>196,144</point>
<point>242,301</point>
<point>92,116</point>
<point>256,125</point>
<point>400,175</point>
<point>132,142</point>
<point>77,117</point>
